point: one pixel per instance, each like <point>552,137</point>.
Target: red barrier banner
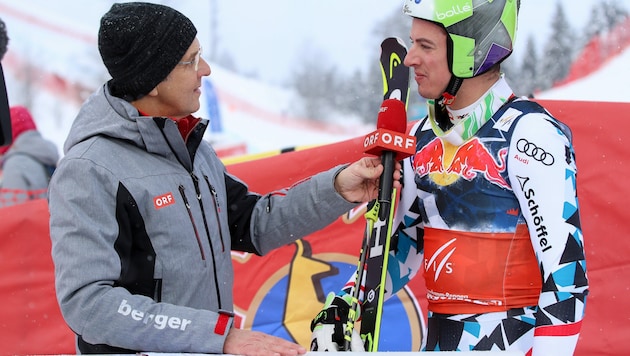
<point>31,320</point>
<point>281,292</point>
<point>601,135</point>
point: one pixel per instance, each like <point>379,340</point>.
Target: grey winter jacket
<point>142,225</point>
<point>25,168</point>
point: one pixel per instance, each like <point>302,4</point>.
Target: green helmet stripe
<point>463,56</point>
<point>509,19</point>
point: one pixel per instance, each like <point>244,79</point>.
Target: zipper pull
<point>216,198</point>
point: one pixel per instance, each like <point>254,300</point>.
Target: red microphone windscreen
<point>391,132</point>
<point>392,116</point>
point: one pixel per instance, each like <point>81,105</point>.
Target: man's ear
<point>153,92</point>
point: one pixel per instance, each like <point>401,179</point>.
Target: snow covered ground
<point>610,83</point>
<point>60,59</point>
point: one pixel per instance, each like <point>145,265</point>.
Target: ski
<point>5,116</point>
<point>395,73</point>
<point>372,266</point>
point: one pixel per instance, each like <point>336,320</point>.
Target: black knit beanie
<point>140,44</point>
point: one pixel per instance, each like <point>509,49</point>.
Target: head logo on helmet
<point>481,33</point>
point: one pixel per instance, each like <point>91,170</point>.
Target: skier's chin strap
<point>448,97</point>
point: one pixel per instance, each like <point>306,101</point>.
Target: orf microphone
<point>390,134</point>
<point>391,142</point>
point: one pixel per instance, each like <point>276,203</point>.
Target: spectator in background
<point>27,163</point>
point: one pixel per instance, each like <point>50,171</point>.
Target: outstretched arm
<point>359,181</point>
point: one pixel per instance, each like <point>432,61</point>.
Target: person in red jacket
<point>27,163</point>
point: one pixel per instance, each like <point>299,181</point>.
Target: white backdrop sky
<point>267,37</point>
<point>264,37</point>
<point>342,28</point>
<point>258,31</point>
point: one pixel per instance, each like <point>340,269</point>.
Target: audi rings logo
<point>535,152</point>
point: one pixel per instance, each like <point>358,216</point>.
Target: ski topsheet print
<point>372,266</point>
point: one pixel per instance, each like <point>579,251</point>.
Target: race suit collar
<point>467,121</point>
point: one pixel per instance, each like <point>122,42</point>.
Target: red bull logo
<point>445,163</point>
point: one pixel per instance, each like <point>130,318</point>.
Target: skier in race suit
<point>488,213</point>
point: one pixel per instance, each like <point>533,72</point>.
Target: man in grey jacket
<point>143,214</point>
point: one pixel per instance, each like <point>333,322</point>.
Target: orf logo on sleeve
<point>163,200</point>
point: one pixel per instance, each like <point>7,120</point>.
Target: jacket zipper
<point>192,221</point>
<point>217,210</point>
<point>205,222</point>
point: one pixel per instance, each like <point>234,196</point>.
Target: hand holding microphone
<point>374,177</point>
<point>390,142</point>
<point>366,180</point>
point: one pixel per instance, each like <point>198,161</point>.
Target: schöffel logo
<point>536,213</point>
<point>535,152</point>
